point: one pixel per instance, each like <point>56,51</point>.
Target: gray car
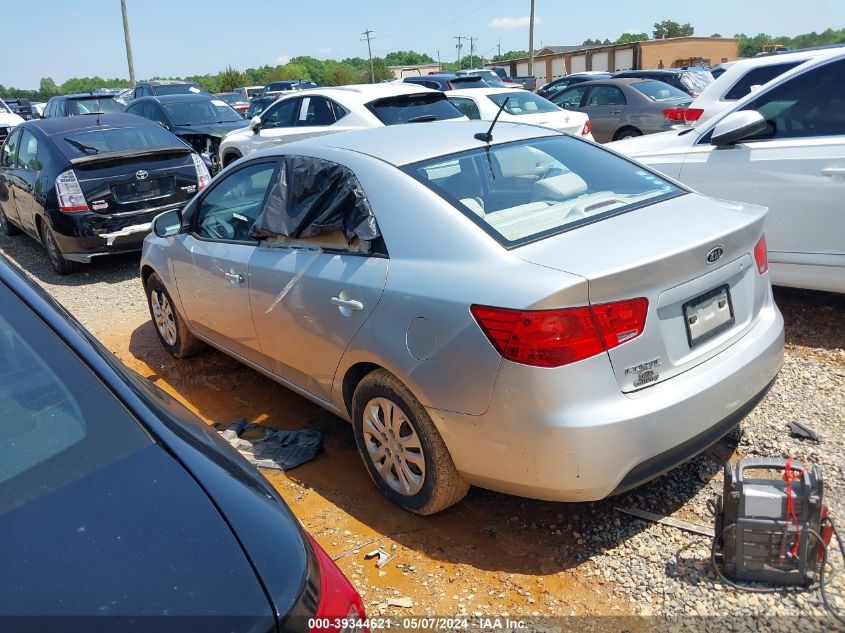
<point>624,108</point>
<point>529,313</point>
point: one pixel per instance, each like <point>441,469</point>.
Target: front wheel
<point>7,228</point>
<point>172,331</point>
<point>401,448</point>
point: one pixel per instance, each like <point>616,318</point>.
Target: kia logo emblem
<point>714,254</point>
<point>143,175</point>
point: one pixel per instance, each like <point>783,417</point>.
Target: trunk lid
<point>120,184</point>
<point>572,122</point>
<point>660,252</point>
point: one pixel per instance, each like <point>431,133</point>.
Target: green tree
<point>590,42</point>
<point>286,72</point>
<point>670,28</point>
<point>716,35</point>
<point>381,70</point>
<point>230,79</point>
<point>629,38</point>
<point>407,58</point>
<point>509,55</point>
<point>47,87</point>
<point>342,75</point>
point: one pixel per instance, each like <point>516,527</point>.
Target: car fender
<point>154,259</point>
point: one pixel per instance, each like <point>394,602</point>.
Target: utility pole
<point>500,47</point>
<point>472,41</point>
<point>459,47</point>
<point>366,35</point>
<point>128,43</point>
<point>531,42</point>
<point>439,65</point>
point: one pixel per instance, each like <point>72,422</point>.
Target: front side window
<point>467,107</point>
<point>524,191</point>
<point>569,98</point>
<point>605,96</point>
<point>757,77</point>
<point>280,114</point>
<point>523,102</point>
<point>229,210</point>
<point>811,104</point>
<point>660,92</point>
<point>316,111</point>
<point>10,149</point>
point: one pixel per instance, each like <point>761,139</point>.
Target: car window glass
<point>467,107</point>
<point>315,111</point>
<point>339,110</point>
<point>433,106</point>
<point>280,115</point>
<point>569,98</point>
<point>10,149</point>
<point>519,102</point>
<point>138,109</point>
<point>58,423</point>
<point>660,92</point>
<point>229,210</point>
<point>200,111</point>
<point>605,96</point>
<point>808,105</point>
<point>155,113</point>
<point>757,77</point>
<point>28,154</point>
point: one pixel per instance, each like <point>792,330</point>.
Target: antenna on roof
<point>488,135</point>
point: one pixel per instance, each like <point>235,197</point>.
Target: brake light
<point>675,114</point>
<point>691,115</point>
<point>761,255</point>
<point>338,598</point>
<point>203,177</point>
<point>588,127</point>
<point>71,198</point>
<point>552,338</point>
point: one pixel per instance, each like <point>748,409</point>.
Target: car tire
<point>169,325</point>
<point>230,158</point>
<point>424,484</point>
<point>7,228</point>
<point>57,259</point>
<point>627,132</point>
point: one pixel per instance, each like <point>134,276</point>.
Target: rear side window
<point>524,191</point>
<point>413,108</point>
<point>659,92</point>
<point>757,77</point>
<point>89,106</point>
<point>696,82</point>
<point>58,423</point>
<point>91,142</point>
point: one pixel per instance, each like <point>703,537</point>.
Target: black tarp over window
<point>313,196</point>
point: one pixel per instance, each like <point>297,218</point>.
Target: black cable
<point>827,604</point>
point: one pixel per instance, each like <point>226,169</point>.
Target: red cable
<point>788,477</point>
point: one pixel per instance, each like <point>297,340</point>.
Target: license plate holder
<point>708,315</point>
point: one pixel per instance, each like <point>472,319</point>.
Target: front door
<point>276,122</point>
<point>30,197</point>
<point>211,262</point>
<point>9,180</point>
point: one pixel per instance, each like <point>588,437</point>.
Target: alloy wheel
<point>393,446</point>
<point>165,320</point>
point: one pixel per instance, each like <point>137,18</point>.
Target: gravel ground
<point>640,568</point>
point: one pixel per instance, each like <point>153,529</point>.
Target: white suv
<point>321,111</point>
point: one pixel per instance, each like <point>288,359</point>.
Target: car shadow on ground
<point>812,318</point>
<point>487,530</point>
<point>32,258</point>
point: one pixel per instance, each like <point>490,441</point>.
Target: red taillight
<point>761,255</point>
<point>338,598</point>
<point>588,127</point>
<point>69,193</point>
<point>675,114</point>
<point>691,115</point>
<point>552,338</point>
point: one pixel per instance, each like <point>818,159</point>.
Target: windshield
<point>523,102</point>
<point>201,112</point>
<point>99,141</point>
<point>660,92</point>
<point>528,190</point>
<point>459,83</point>
<point>89,106</point>
<point>414,108</point>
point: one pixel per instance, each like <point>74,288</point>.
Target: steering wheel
<point>215,227</point>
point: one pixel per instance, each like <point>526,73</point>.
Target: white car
<point>522,107</point>
<point>305,114</point>
<point>784,147</point>
<point>8,121</point>
<point>743,77</point>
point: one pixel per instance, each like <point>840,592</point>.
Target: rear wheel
<point>627,132</point>
<point>57,259</point>
<point>170,327</point>
<point>401,448</point>
<point>7,228</point>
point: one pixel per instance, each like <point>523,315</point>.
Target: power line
<point>366,35</point>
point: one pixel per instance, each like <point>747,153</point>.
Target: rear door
<point>605,105</point>
<point>211,262</point>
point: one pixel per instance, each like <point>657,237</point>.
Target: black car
<point>159,87</point>
<point>570,80</point>
<point>78,104</point>
<point>21,107</point>
<point>122,511</point>
<point>257,105</point>
<point>90,186</point>
<point>446,81</point>
<point>201,120</point>
<point>693,82</point>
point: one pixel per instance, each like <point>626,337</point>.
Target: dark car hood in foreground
<point>211,129</point>
<point>138,537</point>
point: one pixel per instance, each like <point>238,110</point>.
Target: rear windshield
<point>468,82</point>
<point>696,81</point>
<point>413,108</point>
<point>660,92</point>
<point>524,191</point>
<point>89,106</point>
<point>90,142</point>
<point>523,102</point>
<point>175,89</point>
<point>201,112</point>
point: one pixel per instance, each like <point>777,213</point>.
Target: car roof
<point>58,125</point>
<point>362,93</point>
<point>169,82</point>
<point>783,58</point>
<point>179,98</point>
<point>86,95</point>
<point>404,144</point>
<point>468,92</point>
<point>627,81</point>
<point>447,76</point>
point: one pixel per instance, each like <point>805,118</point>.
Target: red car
<point>235,100</point>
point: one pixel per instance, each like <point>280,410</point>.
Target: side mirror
<point>737,126</point>
<point>255,124</point>
<point>167,223</point>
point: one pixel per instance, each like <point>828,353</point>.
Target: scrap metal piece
<point>676,523</point>
<point>802,431</point>
<point>383,557</point>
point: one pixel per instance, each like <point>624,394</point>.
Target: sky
<point>80,38</point>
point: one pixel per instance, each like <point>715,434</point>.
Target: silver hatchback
<point>529,313</point>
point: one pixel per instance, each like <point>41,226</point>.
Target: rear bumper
<point>570,434</point>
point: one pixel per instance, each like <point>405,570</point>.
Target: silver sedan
<point>529,313</point>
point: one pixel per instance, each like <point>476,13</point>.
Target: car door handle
<point>833,171</point>
<point>235,277</point>
<point>352,304</point>
<point>616,112</point>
